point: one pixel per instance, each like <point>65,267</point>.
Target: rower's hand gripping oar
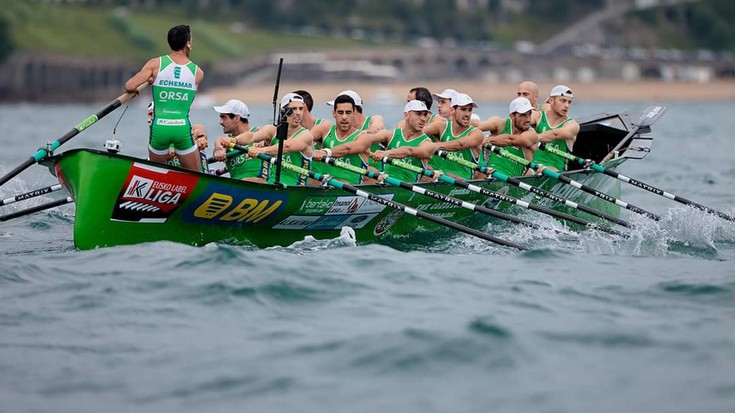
<point>640,184</point>
<point>387,202</point>
<point>500,197</point>
<point>576,184</point>
<point>530,188</point>
<point>52,146</point>
<point>427,192</point>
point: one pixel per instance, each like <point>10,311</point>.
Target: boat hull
<point>124,200</point>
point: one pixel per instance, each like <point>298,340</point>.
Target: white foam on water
<point>346,238</point>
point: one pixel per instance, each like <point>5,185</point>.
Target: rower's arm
<point>298,143</point>
<point>567,132</point>
<point>525,139</point>
<point>320,131</point>
<point>493,124</point>
<point>265,133</point>
<point>435,129</point>
<point>146,74</point>
<point>472,140</point>
<point>424,151</point>
<point>358,145</point>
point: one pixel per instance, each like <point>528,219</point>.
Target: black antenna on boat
<point>113,145</point>
<point>281,123</point>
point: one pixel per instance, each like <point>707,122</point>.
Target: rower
<point>371,123</point>
<point>342,132</point>
<point>514,133</point>
<point>307,120</point>
<point>444,103</point>
<point>172,75</point>
<point>456,135</point>
<point>424,95</point>
<point>297,148</point>
<point>362,122</point>
<point>234,118</point>
<point>556,128</point>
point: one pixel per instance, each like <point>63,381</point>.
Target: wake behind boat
<point>126,200</point>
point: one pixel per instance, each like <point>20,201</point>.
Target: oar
<point>31,194</point>
<point>427,192</point>
<point>576,184</point>
<point>387,202</point>
<point>52,146</point>
<point>500,197</point>
<point>530,188</point>
<point>48,205</point>
<point>650,188</point>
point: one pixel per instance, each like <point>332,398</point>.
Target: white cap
<point>350,93</point>
<point>519,105</point>
<point>561,90</point>
<point>234,106</point>
<point>445,94</point>
<point>290,97</point>
<point>415,106</point>
<point>462,99</point>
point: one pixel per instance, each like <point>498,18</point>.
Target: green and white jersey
<point>399,141</point>
<point>240,166</point>
<point>447,166</point>
<point>547,158</point>
<point>174,89</point>
<point>374,147</point>
<point>329,142</point>
<point>502,164</point>
<point>293,158</point>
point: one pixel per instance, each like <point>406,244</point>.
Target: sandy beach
<point>648,91</point>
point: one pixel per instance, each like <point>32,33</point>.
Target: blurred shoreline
<point>643,91</point>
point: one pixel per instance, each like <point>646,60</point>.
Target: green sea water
<point>580,323</point>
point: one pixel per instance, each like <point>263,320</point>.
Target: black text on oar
<point>632,181</point>
<point>565,179</point>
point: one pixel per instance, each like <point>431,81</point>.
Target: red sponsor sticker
<point>152,194</point>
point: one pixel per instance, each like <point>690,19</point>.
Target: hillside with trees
<point>229,29</point>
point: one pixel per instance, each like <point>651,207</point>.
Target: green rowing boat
<point>124,200</point>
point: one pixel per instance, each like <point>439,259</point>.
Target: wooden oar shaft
<point>571,182</point>
<point>390,203</point>
<point>501,197</point>
<point>535,190</point>
<point>48,205</point>
<point>632,181</point>
<point>30,194</point>
<point>427,192</point>
<point>52,146</point>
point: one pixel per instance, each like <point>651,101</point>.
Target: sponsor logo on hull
<point>152,194</point>
<point>229,205</point>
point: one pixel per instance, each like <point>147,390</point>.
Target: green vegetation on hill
<point>238,29</point>
<point>137,35</point>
